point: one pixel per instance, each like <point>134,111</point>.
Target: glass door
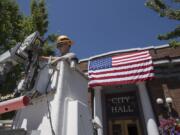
<point>124,127</point>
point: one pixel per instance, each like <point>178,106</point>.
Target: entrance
<point>124,127</point>
<point>123,114</point>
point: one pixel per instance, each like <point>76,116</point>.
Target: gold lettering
<point>122,109</point>
<point>118,100</point>
<point>130,109</point>
<point>114,100</point>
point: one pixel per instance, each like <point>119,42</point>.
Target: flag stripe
<point>131,58</point>
<point>132,61</point>
<point>120,70</point>
<point>123,73</point>
<point>123,79</point>
<point>136,62</point>
<point>120,82</point>
<point>129,55</point>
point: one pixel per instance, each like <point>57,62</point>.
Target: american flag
<point>121,69</point>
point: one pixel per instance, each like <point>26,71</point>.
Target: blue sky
<point>99,26</point>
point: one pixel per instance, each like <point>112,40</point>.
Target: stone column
<point>98,110</point>
<point>148,113</point>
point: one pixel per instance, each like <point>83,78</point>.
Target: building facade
<point>131,109</point>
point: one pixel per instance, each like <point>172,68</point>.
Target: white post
<point>98,109</point>
<point>57,110</point>
<point>151,125</point>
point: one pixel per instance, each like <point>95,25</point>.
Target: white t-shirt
<point>70,56</point>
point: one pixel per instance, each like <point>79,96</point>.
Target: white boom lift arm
<point>61,106</point>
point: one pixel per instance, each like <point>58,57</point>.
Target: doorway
<point>124,127</point>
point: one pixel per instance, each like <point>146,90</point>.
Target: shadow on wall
<point>31,117</point>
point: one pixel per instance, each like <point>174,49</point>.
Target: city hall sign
<point>124,104</point>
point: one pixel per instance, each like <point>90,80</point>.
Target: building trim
<point>125,50</point>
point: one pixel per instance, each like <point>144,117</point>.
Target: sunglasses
<point>59,45</point>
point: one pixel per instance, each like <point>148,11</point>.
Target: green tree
<point>11,32</point>
<point>39,17</point>
<point>10,24</point>
<point>14,27</point>
<point>165,10</point>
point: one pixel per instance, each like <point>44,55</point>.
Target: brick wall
<point>165,87</point>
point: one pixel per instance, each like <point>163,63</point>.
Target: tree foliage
<point>14,27</point>
<point>165,10</point>
<point>11,32</point>
<point>10,24</point>
<point>39,16</point>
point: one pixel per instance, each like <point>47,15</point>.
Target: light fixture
<point>168,100</point>
<point>159,101</point>
<point>166,104</point>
